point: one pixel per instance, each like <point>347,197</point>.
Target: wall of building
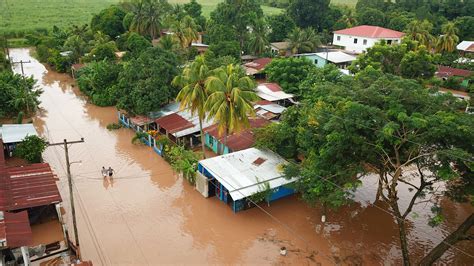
<point>347,41</point>
<point>213,144</point>
<point>315,59</point>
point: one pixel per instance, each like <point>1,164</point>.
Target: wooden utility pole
<point>69,179</point>
<point>21,62</point>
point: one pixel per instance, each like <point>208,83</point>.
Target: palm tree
<point>258,40</point>
<point>229,104</point>
<point>193,93</point>
<point>148,15</point>
<point>420,31</point>
<point>185,31</point>
<point>448,40</point>
<point>303,40</point>
<point>167,42</point>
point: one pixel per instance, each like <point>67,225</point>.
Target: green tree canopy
<point>98,80</point>
<point>136,43</point>
<point>17,94</point>
<point>109,21</point>
<point>289,73</point>
<point>144,89</point>
<point>281,25</point>
<point>31,149</point>
<point>309,13</point>
<point>303,40</point>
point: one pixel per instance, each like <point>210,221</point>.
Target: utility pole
<point>21,64</point>
<point>69,179</point>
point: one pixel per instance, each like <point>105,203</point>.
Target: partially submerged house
<point>12,134</point>
<point>234,142</point>
<point>358,39</point>
<point>235,177</point>
<point>272,92</point>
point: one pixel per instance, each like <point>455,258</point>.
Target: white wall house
<point>358,39</point>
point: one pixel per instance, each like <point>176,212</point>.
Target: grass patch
<point>349,3</point>
<point>17,43</point>
<point>22,16</point>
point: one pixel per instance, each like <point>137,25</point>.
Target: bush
<point>114,126</point>
<point>31,149</point>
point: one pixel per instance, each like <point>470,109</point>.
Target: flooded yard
<point>148,215</point>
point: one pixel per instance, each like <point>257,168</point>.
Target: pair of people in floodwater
<point>107,172</point>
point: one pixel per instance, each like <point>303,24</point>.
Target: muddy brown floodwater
<point>148,215</point>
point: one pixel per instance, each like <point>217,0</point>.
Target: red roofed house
<point>256,66</point>
<point>235,142</point>
<point>358,39</point>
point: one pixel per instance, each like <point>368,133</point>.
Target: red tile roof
<point>371,32</point>
<point>445,72</point>
<point>259,64</point>
<point>242,140</point>
<point>173,123</point>
<point>27,186</point>
<point>15,229</point>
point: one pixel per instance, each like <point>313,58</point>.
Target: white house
<point>358,39</point>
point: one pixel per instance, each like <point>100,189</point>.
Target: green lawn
<point>26,15</point>
<point>349,3</point>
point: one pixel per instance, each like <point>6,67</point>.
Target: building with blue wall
<point>338,58</point>
<point>235,177</point>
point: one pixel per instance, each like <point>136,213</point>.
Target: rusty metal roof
<point>141,120</point>
<point>27,186</point>
<point>173,123</point>
<point>15,229</point>
<point>242,140</point>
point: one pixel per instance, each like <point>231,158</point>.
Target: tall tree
<point>289,73</point>
<point>420,31</point>
<point>229,104</point>
<point>193,93</point>
<point>258,41</point>
<point>309,13</point>
<point>185,31</point>
<point>238,15</point>
<point>148,16</point>
<point>303,40</point>
<point>389,126</point>
<point>109,21</point>
<point>281,25</point>
<point>449,39</point>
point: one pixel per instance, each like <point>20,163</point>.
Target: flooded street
<point>147,215</point>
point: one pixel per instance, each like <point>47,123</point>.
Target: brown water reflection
<point>148,215</point>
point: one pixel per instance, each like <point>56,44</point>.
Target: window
<point>211,141</point>
<point>338,37</point>
<point>389,41</point>
<point>355,40</point>
<point>365,42</point>
<point>315,61</point>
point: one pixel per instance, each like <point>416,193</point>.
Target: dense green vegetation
<point>17,94</point>
<point>31,149</point>
<point>18,17</point>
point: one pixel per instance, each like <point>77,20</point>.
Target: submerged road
<point>147,215</point>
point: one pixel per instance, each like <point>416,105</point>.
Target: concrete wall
<point>215,145</point>
<point>347,41</point>
<point>315,59</point>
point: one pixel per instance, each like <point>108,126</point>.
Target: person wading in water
<point>110,171</point>
<point>104,172</point>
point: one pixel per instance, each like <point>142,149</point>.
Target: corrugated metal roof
<point>12,133</point>
<point>242,140</point>
<point>445,71</point>
<point>241,176</point>
<point>259,64</point>
<point>15,229</point>
<point>2,153</point>
<point>194,120</point>
<point>272,92</point>
<point>173,123</point>
<point>467,46</point>
<point>27,186</point>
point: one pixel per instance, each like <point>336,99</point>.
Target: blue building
<point>338,58</point>
<point>235,177</point>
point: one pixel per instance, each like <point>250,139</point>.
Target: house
<point>280,48</point>
<point>234,142</point>
<point>445,72</point>
<point>235,177</point>
<point>272,92</point>
<point>200,47</point>
<point>29,204</point>
<point>256,66</point>
<point>359,38</point>
<point>12,134</point>
<point>338,58</point>
<point>466,47</point>
<point>268,110</point>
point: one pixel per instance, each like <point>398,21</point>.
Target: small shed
<point>12,134</point>
<point>235,177</point>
